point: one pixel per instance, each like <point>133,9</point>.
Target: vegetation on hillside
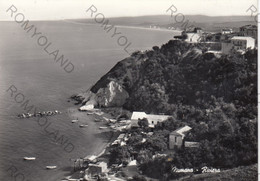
<point>215,95</point>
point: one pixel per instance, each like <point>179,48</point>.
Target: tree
<point>143,123</point>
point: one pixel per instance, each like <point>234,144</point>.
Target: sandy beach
<point>107,135</point>
<point>93,127</point>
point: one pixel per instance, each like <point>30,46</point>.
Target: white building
<point>96,169</point>
<point>238,43</point>
<point>226,31</point>
<point>193,37</point>
<point>243,42</point>
<point>152,118</point>
<point>176,137</point>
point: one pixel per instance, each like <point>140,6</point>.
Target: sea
<point>33,75</point>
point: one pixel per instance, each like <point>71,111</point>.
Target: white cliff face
<point>111,96</point>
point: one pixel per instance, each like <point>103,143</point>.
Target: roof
<point>181,131</point>
<point>151,117</point>
<point>226,29</point>
<point>191,144</point>
<point>154,117</point>
<point>121,136</point>
<point>249,27</point>
<point>90,157</point>
<point>138,115</point>
<point>242,38</point>
<point>175,133</point>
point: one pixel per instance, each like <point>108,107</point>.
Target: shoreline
<point>100,148</point>
<point>124,26</point>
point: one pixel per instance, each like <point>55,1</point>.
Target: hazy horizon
<point>130,17</point>
<point>66,9</point>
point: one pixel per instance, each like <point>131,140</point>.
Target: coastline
<point>124,26</point>
<point>109,134</point>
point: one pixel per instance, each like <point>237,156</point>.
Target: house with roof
<point>248,30</point>
<point>192,36</point>
<point>237,43</point>
<point>226,31</point>
<point>96,169</point>
<point>176,138</point>
<point>153,119</point>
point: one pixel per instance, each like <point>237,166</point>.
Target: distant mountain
<point>209,23</point>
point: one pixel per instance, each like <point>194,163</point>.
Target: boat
<point>97,120</point>
<point>51,167</point>
<point>29,158</point>
<point>83,125</point>
<point>74,121</point>
<point>103,127</point>
<point>39,114</point>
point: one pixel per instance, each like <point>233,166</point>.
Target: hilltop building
<point>238,43</point>
<point>226,31</point>
<point>248,30</point>
<point>193,36</point>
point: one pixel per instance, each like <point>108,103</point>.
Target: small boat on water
<point>51,167</point>
<point>83,125</point>
<point>74,121</point>
<point>29,158</point>
<point>97,120</point>
<point>102,127</point>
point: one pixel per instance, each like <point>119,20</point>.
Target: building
<point>192,36</point>
<point>226,31</point>
<point>176,137</point>
<point>152,118</point>
<point>248,30</point>
<point>242,43</point>
<point>191,144</point>
<point>119,140</point>
<point>238,43</point>
<point>97,169</point>
<point>90,159</point>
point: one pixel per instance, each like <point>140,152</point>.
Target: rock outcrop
<point>113,95</point>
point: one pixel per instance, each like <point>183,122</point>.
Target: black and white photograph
<point>129,90</point>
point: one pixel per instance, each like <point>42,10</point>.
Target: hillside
<point>208,23</point>
<point>215,95</point>
<point>178,73</point>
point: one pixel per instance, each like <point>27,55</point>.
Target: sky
<point>75,9</point>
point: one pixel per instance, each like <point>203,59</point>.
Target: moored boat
<point>51,167</point>
<point>74,121</point>
<point>83,125</point>
<point>29,158</point>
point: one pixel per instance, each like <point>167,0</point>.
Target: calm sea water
<point>47,86</point>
